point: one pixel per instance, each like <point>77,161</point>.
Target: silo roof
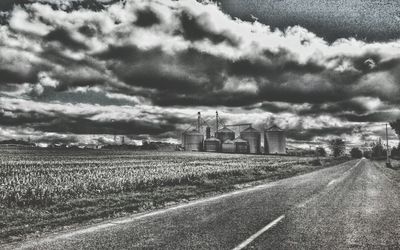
<point>240,140</point>
<point>274,128</point>
<point>212,139</point>
<point>250,130</point>
<point>228,142</point>
<point>226,130</point>
<point>193,132</point>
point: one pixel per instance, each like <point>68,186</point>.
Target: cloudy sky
<point>80,71</point>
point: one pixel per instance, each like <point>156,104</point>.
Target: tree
<point>356,153</point>
<point>367,154</point>
<point>378,151</point>
<point>338,147</point>
<point>321,151</point>
<point>396,126</point>
<point>395,152</point>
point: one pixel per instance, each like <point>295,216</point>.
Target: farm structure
<point>224,140</point>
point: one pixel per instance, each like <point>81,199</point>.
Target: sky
<point>80,71</point>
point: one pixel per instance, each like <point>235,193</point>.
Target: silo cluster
<point>225,141</point>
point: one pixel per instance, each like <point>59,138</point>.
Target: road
<point>353,205</point>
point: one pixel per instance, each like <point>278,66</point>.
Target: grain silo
<point>274,140</point>
<point>212,144</point>
<point>253,137</point>
<point>193,140</point>
<point>208,132</point>
<point>241,146</point>
<point>228,146</point>
<point>225,134</point>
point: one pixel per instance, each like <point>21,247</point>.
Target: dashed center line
<point>261,231</point>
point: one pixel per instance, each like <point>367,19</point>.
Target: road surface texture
<point>353,205</point>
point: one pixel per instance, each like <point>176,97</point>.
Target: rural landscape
<point>45,189</point>
<point>199,124</point>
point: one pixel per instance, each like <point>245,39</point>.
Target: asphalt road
<point>353,205</point>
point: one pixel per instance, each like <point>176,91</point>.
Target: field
<point>45,190</point>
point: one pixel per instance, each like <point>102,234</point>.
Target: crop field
<point>43,189</point>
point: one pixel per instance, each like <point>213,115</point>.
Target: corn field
<point>41,177</point>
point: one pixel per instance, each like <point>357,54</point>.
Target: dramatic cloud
<point>144,68</point>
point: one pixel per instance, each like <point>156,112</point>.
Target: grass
<point>45,190</point>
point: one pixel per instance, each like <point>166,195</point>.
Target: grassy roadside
<point>21,222</point>
<point>392,173</point>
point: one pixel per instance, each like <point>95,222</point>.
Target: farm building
<point>274,140</point>
<point>193,140</point>
<point>248,141</point>
<point>241,146</point>
<point>212,144</point>
<point>253,137</point>
<point>228,146</point>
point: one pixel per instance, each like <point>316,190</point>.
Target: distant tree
<point>338,147</point>
<point>395,152</point>
<point>378,151</point>
<point>321,151</point>
<point>367,154</point>
<point>396,126</point>
<point>356,153</point>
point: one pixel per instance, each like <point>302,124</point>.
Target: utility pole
<point>198,122</point>
<point>387,149</point>
<point>216,119</point>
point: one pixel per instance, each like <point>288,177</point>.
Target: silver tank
<point>228,146</point>
<point>253,137</point>
<point>274,140</point>
<point>212,144</point>
<point>193,141</point>
<point>241,146</point>
<point>225,134</point>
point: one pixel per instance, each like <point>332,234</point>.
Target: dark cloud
<point>14,76</point>
<point>310,134</point>
<point>193,30</point>
<point>155,69</point>
<point>81,125</point>
<point>63,36</point>
<point>54,121</point>
<point>382,116</point>
<point>146,18</point>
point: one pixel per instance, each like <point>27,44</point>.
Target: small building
<point>241,146</point>
<point>228,146</point>
<point>212,144</point>
<point>274,140</point>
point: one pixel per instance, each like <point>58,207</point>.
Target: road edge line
<point>258,233</point>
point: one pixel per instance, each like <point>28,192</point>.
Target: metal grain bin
<point>253,137</point>
<point>241,146</point>
<point>274,140</point>
<point>212,144</point>
<point>225,134</point>
<point>193,141</point>
<point>228,146</point>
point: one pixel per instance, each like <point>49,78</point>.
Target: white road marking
<point>254,236</point>
<point>332,182</point>
<point>343,175</point>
